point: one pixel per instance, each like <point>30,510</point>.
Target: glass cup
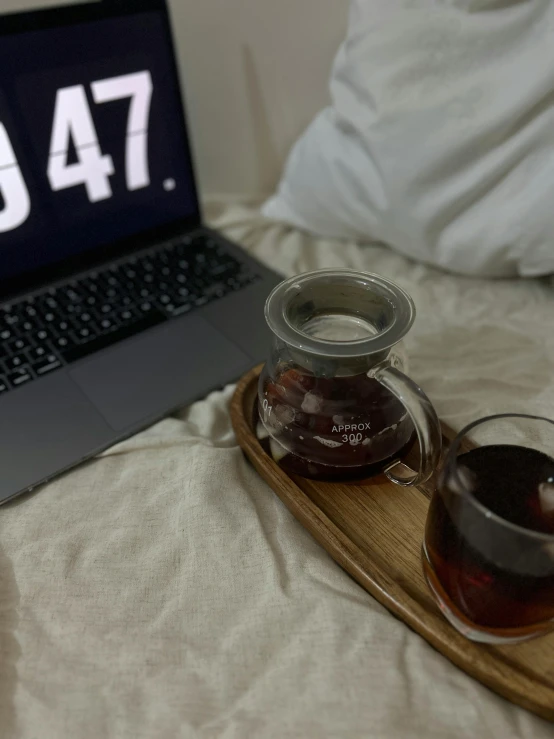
<point>488,553</point>
<point>334,402</point>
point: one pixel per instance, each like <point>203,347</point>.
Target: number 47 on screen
<point>73,120</point>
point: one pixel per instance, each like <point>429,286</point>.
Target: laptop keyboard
<point>39,334</point>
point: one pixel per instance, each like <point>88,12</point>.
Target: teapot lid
<point>339,313</point>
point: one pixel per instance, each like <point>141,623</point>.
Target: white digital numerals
<point>72,118</point>
<point>73,122</point>
<point>17,203</point>
<point>138,87</point>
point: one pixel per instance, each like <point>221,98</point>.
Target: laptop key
<point>15,362</point>
<point>19,376</point>
<point>73,296</point>
<point>217,290</point>
<point>37,353</point>
<point>62,327</point>
<point>28,325</point>
<point>112,281</point>
<point>180,309</point>
<point>42,335</point>
<point>126,315</point>
<point>48,364</point>
<point>83,334</point>
<point>106,324</point>
<point>30,311</point>
<point>61,342</point>
<point>18,345</point>
<point>50,302</point>
<point>3,385</point>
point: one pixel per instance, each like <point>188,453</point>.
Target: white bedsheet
<point>164,591</point>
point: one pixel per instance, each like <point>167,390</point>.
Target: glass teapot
<point>333,401</point>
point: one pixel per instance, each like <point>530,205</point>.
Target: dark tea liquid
<point>488,574</point>
<point>331,428</point>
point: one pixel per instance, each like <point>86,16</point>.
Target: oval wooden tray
<point>374,531</point>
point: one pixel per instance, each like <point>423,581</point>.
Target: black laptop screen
<point>92,143</point>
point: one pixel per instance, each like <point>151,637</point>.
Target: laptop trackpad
<point>171,365</point>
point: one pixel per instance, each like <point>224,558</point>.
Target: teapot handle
<point>423,416</point>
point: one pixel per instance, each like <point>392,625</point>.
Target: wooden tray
<point>375,533</point>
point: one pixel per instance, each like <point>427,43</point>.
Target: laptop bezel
<point>59,16</point>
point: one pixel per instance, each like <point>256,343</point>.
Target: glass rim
<point>450,468</point>
<point>403,314</point>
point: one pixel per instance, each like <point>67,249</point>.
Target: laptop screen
<point>92,144</point>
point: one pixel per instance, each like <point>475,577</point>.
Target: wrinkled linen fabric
<point>162,589</point>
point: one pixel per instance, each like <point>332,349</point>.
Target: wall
<point>255,72</point>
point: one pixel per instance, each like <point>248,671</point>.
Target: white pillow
<point>440,139</point>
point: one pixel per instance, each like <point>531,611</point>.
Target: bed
<point>162,589</point>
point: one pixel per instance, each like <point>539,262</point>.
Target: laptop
<point>117,305</point>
